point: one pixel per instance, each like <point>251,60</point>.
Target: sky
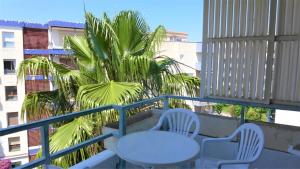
<point>175,15</point>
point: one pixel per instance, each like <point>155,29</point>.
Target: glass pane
<point>9,66</point>
<point>8,44</point>
<point>7,35</point>
<point>14,144</point>
<point>11,93</point>
<point>12,119</point>
<point>8,39</point>
<point>16,164</point>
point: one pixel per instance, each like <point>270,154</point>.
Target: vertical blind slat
<point>221,69</point>
<point>204,49</point>
<point>240,70</point>
<point>293,68</point>
<point>297,93</point>
<point>215,68</point>
<point>209,65</point>
<point>227,68</point>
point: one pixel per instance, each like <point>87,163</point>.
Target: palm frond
<point>156,38</point>
<point>62,76</point>
<point>93,95</point>
<point>38,65</point>
<point>137,68</point>
<point>81,50</point>
<point>70,134</point>
<point>102,41</point>
<point>181,84</point>
<point>99,35</point>
<point>38,105</point>
<point>131,30</point>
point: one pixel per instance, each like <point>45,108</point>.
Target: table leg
<point>122,164</point>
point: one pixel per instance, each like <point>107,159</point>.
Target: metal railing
<point>44,124</point>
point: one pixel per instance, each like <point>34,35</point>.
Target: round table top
<point>157,148</point>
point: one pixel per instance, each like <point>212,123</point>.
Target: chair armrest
<point>206,140</point>
<point>158,124</point>
<point>229,162</point>
<point>156,127</point>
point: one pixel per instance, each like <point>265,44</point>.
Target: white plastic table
<point>157,149</point>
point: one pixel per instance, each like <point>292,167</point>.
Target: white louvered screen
<point>286,86</point>
<point>251,50</point>
<point>237,36</point>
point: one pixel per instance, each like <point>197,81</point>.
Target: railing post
<point>122,121</point>
<point>166,103</point>
<point>45,144</point>
<point>242,115</point>
<point>270,114</point>
<point>165,107</point>
<point>122,131</point>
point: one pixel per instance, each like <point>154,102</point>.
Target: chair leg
<point>190,165</point>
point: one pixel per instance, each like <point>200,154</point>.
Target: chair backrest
<point>251,141</point>
<point>181,121</point>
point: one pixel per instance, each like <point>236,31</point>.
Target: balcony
<point>275,154</point>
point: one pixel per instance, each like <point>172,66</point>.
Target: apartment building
<point>49,43</point>
<point>12,93</point>
<point>21,40</point>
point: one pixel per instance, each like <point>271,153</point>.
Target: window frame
<point>8,39</point>
<point>16,164</point>
<point>7,72</point>
<point>6,96</point>
<point>11,147</point>
<point>7,118</point>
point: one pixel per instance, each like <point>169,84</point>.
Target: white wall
<point>287,117</point>
<point>56,36</point>
<point>12,106</point>
<point>188,51</point>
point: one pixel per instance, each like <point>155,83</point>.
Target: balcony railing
<point>44,124</point>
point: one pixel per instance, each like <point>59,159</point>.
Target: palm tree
<point>116,63</point>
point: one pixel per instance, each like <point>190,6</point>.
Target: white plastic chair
<point>251,143</point>
<point>180,121</point>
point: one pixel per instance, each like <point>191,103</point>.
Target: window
<point>175,39</point>
<point>8,39</point>
<point>9,66</point>
<point>16,164</point>
<point>12,119</point>
<point>14,144</point>
<point>181,56</point>
<point>68,62</point>
<point>11,93</point>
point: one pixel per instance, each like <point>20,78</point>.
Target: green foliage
<point>219,108</point>
<point>115,64</point>
<point>173,103</point>
<point>257,114</point>
<point>252,113</point>
<point>93,95</point>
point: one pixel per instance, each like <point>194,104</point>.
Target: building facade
<point>21,40</point>
<point>12,93</point>
<point>187,54</point>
